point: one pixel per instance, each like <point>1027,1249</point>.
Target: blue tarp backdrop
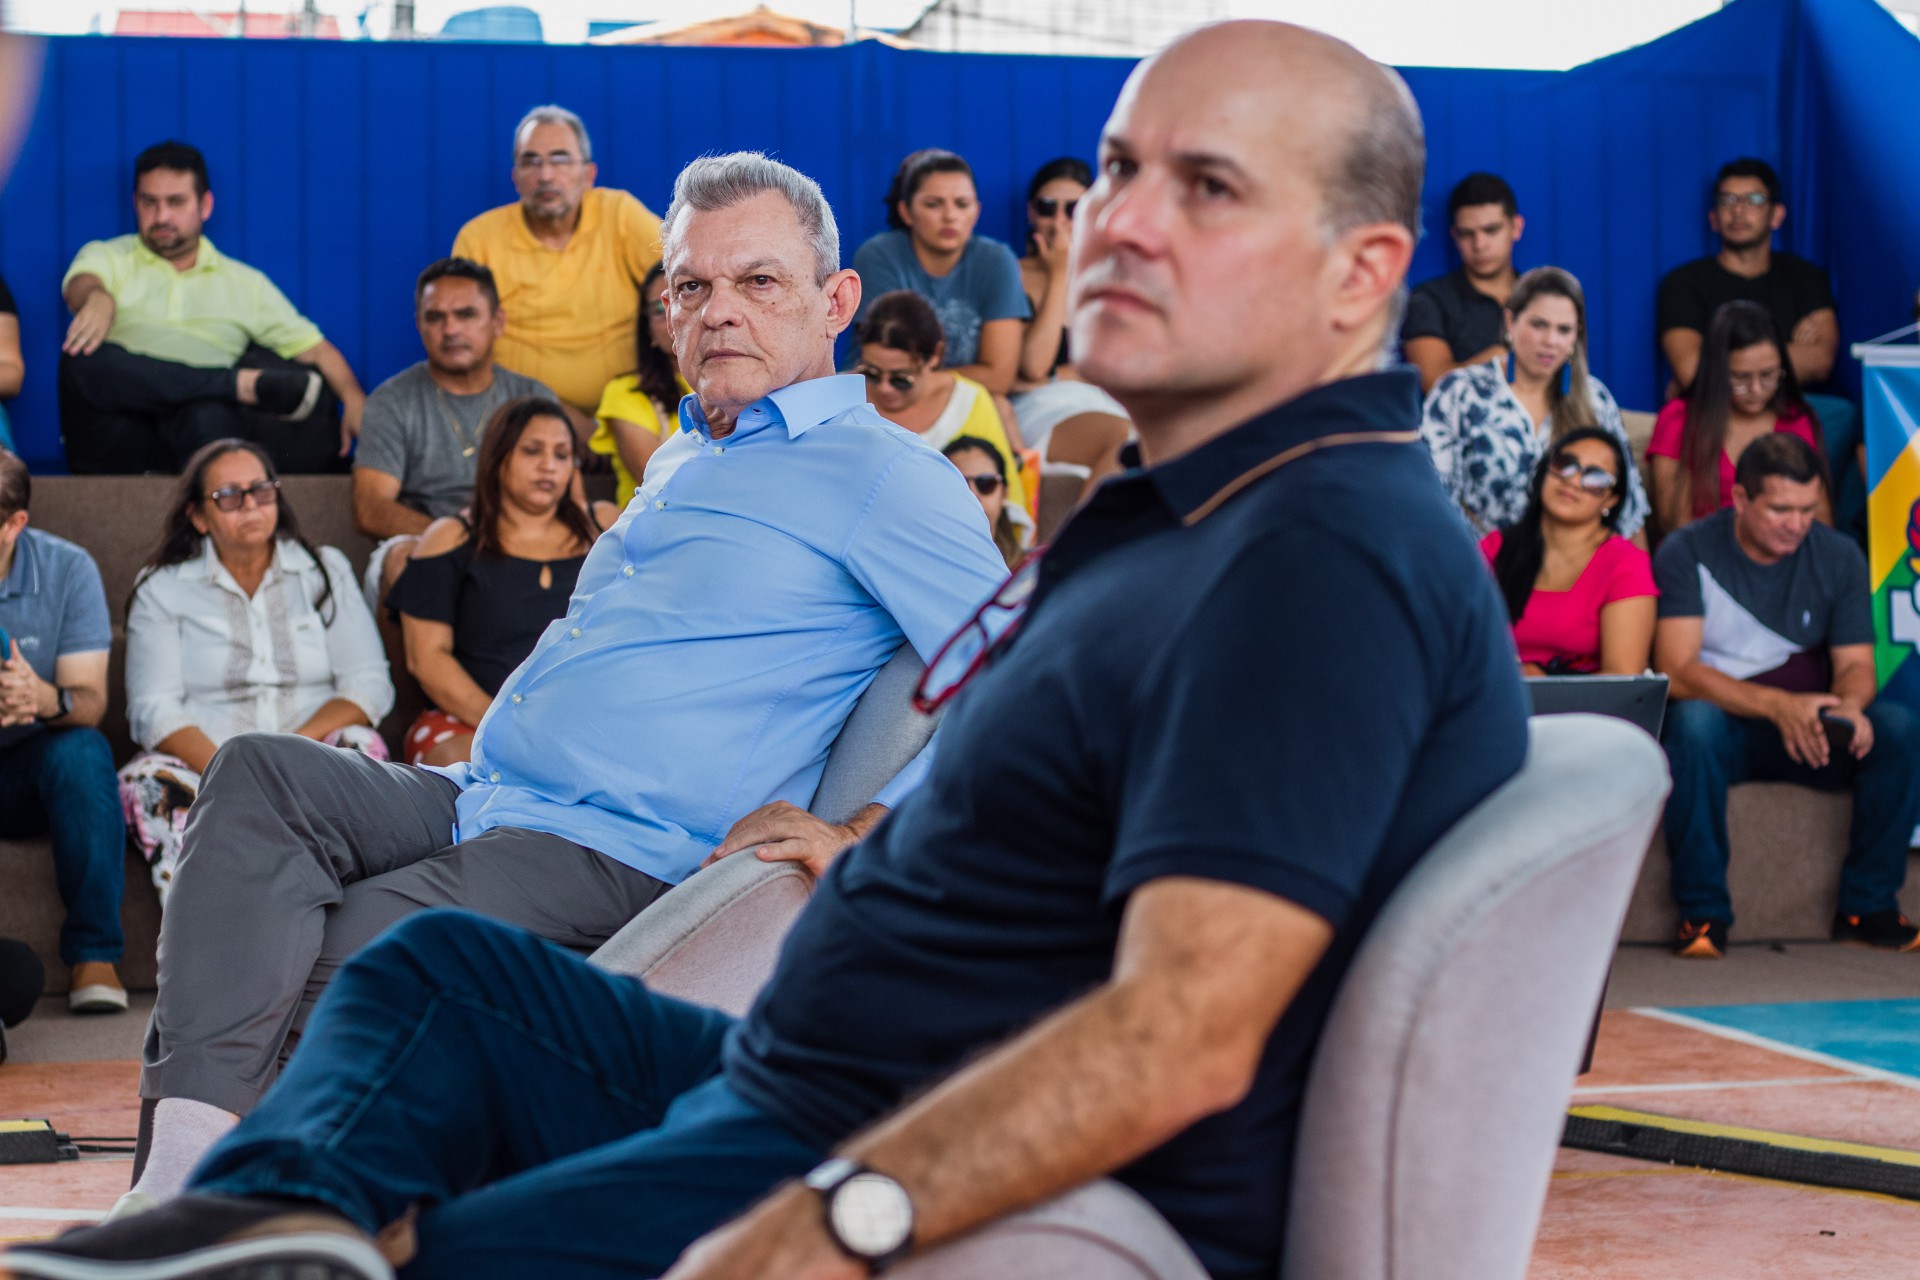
<point>341,169</point>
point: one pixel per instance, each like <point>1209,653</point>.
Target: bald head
<point>1257,205</point>
<point>1357,118</point>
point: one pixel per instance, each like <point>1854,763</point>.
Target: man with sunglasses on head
<point>1103,934</point>
<point>568,258</point>
<point>1745,211</point>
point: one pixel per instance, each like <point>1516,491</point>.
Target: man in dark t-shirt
<point>1766,631</point>
<point>1746,211</point>
<point>1459,318</point>
<point>1195,748</point>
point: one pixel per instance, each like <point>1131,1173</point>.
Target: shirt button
<point>517,698</point>
<point>494,776</point>
<point>628,571</point>
<point>719,449</point>
<point>659,504</point>
<point>575,633</point>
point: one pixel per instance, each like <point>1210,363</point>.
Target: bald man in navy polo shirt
<point>1255,679</point>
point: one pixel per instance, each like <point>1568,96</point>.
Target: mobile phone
<point>1839,733</point>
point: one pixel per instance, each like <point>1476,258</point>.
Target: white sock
<point>183,1131</point>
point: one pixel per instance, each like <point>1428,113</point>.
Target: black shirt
<point>495,605</point>
<point>1294,679</point>
<point>1792,289</point>
<point>1450,307</point>
<point>7,306</point>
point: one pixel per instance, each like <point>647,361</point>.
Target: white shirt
<point>201,653</point>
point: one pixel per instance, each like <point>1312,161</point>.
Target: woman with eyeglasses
<point>477,595</point>
<point>639,410</point>
<point>237,623</point>
<point>980,463</point>
<point>901,354</point>
<point>1066,419</point>
<point>972,281</point>
<point>1580,596</point>
<point>1745,389</point>
<point>1488,425</point>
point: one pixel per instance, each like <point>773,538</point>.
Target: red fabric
<point>429,731</point>
<point>1566,624</point>
<point>1670,430</point>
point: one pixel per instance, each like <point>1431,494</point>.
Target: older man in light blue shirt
<point>782,548</point>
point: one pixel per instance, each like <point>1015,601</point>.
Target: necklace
<point>468,443</point>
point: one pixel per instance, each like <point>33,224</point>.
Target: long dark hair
<point>1735,327</point>
<point>654,367</point>
<point>181,542</point>
<point>504,429</point>
<point>1523,546</point>
<point>1072,168</point>
<point>914,171</point>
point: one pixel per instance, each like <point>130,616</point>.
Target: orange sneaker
<point>1702,940</point>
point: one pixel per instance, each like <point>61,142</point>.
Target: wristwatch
<point>66,705</point>
<point>868,1214</point>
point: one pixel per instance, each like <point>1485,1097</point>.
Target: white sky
<point>1548,34</point>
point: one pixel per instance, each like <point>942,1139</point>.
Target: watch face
<point>872,1215</point>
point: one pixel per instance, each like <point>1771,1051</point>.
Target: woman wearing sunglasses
<point>1580,596</point>
<point>1744,389</point>
<point>1066,419</point>
<point>1488,425</point>
<point>980,463</point>
<point>900,353</point>
<point>238,623</point>
<point>639,410</point>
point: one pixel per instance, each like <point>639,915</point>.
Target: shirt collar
<point>23,576</point>
<point>801,406</point>
<point>1197,482</point>
<point>215,571</point>
<point>205,258</point>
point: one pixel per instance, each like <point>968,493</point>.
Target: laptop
<point>1640,700</point>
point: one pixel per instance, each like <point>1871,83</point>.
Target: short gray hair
<point>1376,175</point>
<point>712,183</point>
<point>552,114</point>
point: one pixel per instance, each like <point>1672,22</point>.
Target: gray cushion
<point>880,737</point>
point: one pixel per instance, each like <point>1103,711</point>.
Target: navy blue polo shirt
<point>1293,677</point>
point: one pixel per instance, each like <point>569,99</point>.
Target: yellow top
<point>624,400</point>
<point>971,412</point>
<point>572,313</point>
<point>205,315</point>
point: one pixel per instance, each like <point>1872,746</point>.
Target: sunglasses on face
<point>985,485</point>
<point>902,382</point>
<point>265,493</point>
<point>1047,207</point>
<point>1595,480</point>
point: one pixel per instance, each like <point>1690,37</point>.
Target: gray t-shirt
<point>51,605</point>
<point>1770,623</point>
<point>984,285</point>
<point>428,439</point>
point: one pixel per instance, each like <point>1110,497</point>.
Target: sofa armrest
<point>1103,1231</point>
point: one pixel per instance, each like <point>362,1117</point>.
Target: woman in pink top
<point>1745,389</point>
<point>1581,597</point>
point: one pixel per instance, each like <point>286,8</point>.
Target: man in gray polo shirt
<point>56,770</point>
<point>420,432</point>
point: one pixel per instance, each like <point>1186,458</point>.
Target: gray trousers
<point>296,856</point>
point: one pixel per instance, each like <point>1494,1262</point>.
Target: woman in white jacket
<point>238,624</point>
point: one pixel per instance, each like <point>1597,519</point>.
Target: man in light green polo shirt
<point>160,318</point>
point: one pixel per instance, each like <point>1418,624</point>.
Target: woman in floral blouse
<point>1487,425</point>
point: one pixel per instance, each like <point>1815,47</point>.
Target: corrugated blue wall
<point>342,168</point>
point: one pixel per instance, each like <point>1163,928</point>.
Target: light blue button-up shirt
<point>724,627</point>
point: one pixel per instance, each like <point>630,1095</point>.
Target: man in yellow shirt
<point>569,259</point>
<point>159,320</point>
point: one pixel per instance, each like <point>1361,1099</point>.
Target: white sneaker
<point>96,988</point>
<point>128,1205</point>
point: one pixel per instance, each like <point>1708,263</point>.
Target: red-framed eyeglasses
<point>968,650</point>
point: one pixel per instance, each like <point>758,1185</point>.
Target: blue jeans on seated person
<point>1710,750</point>
<point>60,782</point>
<point>549,1117</point>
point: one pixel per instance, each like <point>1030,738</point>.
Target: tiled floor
<point>1709,1041</point>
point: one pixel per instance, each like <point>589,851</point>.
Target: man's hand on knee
<point>788,833</point>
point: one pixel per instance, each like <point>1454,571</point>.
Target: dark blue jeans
<point>1710,750</point>
<point>60,782</point>
<point>549,1118</point>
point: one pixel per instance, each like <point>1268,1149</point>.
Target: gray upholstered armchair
<point>1438,1092</point>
